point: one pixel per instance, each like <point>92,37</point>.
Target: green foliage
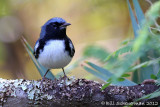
<point>139,56</point>
<point>139,75</point>
<point>150,41</point>
<point>144,64</point>
<point>105,75</point>
<point>105,86</point>
<point>126,75</point>
<point>95,51</point>
<point>127,47</point>
<point>139,12</point>
<point>124,49</point>
<point>150,96</point>
<point>133,19</point>
<point>153,76</point>
<point>158,75</point>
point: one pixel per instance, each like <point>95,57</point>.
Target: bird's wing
<point>38,47</point>
<point>72,47</point>
<point>35,49</point>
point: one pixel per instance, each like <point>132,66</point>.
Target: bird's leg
<point>43,78</point>
<point>45,73</point>
<point>64,72</point>
<point>65,77</point>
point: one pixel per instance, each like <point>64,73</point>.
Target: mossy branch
<point>72,92</point>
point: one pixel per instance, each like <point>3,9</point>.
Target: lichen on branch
<point>69,92</point>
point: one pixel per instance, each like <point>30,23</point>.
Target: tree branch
<point>72,92</point>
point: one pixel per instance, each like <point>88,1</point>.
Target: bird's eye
<point>53,25</point>
<point>56,23</point>
<point>50,28</point>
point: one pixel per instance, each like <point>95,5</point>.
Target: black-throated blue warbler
<point>54,49</point>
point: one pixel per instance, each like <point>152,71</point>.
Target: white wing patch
<point>36,46</point>
<point>71,45</point>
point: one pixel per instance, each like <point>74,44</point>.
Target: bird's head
<point>54,26</point>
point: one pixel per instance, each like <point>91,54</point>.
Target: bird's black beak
<point>65,24</point>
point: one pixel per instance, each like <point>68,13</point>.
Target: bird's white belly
<point>54,55</point>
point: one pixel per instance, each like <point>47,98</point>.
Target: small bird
<point>54,49</point>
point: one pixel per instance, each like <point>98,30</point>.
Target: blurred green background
<point>94,22</point>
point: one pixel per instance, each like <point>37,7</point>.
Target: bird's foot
<point>41,84</point>
<point>65,77</point>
